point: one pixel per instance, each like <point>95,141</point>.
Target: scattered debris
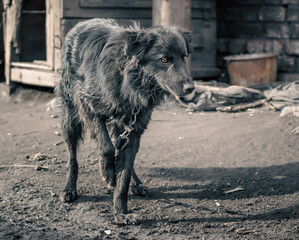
<point>237,189</point>
<point>39,157</point>
<point>243,231</point>
<point>290,109</point>
<point>217,203</point>
<point>229,223</point>
<point>178,210</point>
<point>271,106</point>
<point>296,130</point>
<point>58,143</point>
<point>54,116</point>
<point>28,133</point>
<point>53,194</point>
<point>42,157</point>
<point>36,167</point>
<point>279,177</point>
<point>242,106</point>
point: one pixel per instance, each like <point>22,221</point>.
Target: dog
<point>112,78</point>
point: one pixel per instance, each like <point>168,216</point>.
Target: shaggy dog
<point>112,78</point>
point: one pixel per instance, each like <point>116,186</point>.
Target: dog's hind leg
<point>72,132</point>
<point>106,149</point>
<point>136,186</point>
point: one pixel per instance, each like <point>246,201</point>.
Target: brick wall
<point>255,26</point>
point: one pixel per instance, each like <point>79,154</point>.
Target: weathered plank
<point>203,3</point>
<point>115,3</point>
<point>72,9</point>
<point>34,77</point>
<point>15,24</point>
<point>11,23</point>
<point>7,49</point>
<point>57,37</point>
<point>40,65</point>
<point>49,33</point>
<point>175,12</point>
<point>68,24</point>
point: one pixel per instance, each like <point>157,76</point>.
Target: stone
<point>222,30</point>
<point>249,14</point>
<point>290,1</point>
<point>294,29</point>
<point>222,44</point>
<point>230,15</point>
<point>293,14</point>
<point>251,2</point>
<point>273,2</point>
<point>288,77</point>
<point>255,46</point>
<point>245,30</point>
<point>276,14</point>
<point>273,46</point>
<point>286,63</point>
<point>277,30</point>
<point>237,46</point>
<point>292,47</point>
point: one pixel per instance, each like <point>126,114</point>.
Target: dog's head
<point>162,53</point>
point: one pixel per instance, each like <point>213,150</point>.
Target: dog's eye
<point>185,58</point>
<point>164,60</point>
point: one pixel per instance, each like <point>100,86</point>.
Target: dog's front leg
<point>124,169</point>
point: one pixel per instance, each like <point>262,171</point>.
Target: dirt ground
<point>188,161</point>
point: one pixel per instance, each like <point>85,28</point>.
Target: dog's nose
<point>188,88</point>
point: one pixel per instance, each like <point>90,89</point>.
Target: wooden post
<point>11,27</point>
<point>172,12</point>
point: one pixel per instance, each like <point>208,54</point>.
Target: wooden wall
<point>203,23</point>
<point>62,15</point>
<point>125,11</point>
<point>204,26</point>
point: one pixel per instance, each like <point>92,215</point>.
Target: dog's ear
<point>137,44</point>
<point>188,39</point>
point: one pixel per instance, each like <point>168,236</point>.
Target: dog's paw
<point>108,176</point>
<point>139,190</point>
<point>126,219</point>
<point>68,196</point>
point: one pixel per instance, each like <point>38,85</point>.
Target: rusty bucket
<point>250,69</point>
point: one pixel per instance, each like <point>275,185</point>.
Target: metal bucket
<point>250,69</point>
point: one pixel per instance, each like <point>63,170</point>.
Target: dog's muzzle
<point>189,90</point>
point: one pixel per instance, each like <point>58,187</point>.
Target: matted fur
<point>109,71</point>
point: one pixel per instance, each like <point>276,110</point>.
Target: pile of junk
<point>253,84</point>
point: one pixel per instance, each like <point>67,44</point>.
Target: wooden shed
<point>34,31</point>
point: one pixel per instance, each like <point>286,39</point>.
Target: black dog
<point>112,78</point>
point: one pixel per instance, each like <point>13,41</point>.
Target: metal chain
<point>125,135</point>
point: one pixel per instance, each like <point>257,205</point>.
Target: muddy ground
<point>187,161</point>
